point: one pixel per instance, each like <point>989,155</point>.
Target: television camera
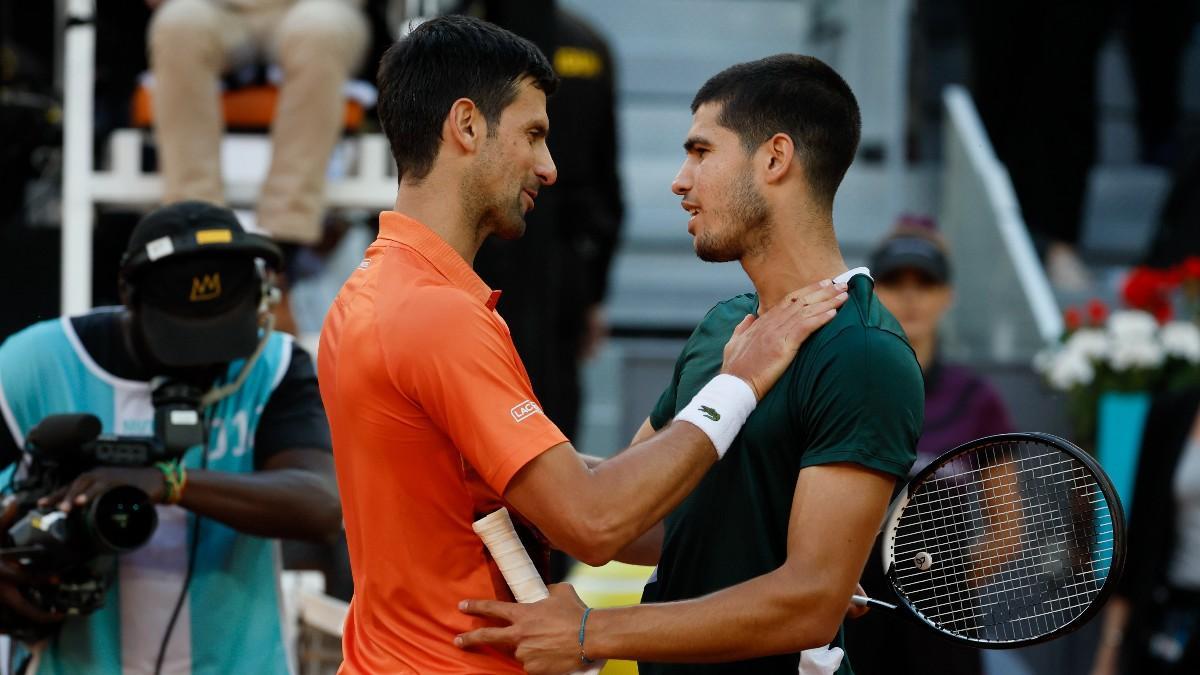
<point>73,554</point>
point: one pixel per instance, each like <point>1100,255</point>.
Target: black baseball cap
<point>910,251</point>
<point>193,274</point>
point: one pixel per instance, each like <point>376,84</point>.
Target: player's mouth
<point>532,196</point>
<point>694,210</point>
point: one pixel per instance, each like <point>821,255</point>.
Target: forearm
<point>627,495</point>
<point>646,549</point>
<point>286,503</point>
<point>772,614</point>
<point>794,607</point>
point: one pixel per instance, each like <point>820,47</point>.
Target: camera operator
<point>202,596</point>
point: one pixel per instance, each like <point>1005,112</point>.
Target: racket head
<point>1006,541</point>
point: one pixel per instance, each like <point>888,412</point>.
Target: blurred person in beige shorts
<point>318,44</point>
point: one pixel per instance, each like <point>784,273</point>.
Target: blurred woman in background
<point>912,278</point>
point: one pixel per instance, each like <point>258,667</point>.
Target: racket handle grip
<point>864,601</point>
<point>500,537</point>
<point>497,532</point>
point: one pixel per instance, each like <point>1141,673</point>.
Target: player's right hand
<point>854,611</point>
<point>762,347</point>
<point>542,635</point>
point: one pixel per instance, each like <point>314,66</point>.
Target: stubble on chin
<point>490,215</point>
<point>511,221</point>
<point>746,232</point>
<point>506,223</point>
<point>716,249</point>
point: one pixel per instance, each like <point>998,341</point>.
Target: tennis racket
<point>1005,541</point>
<point>498,535</point>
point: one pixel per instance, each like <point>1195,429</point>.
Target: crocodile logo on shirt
<point>710,413</point>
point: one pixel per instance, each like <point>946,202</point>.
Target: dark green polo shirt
<point>853,394</point>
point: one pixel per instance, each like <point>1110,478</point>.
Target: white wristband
<point>720,409</point>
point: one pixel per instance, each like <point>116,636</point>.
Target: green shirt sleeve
<point>864,402</point>
<point>664,410</point>
<point>708,335</point>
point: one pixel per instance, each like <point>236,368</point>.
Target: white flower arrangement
<point>1181,340</point>
<point>1093,343</point>
<point>1068,369</point>
<point>1129,352</point>
<point>1132,324</point>
<point>1138,352</point>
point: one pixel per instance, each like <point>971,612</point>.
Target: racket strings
<point>1087,574</point>
<point>1012,530</point>
<point>1011,515</point>
<point>957,617</point>
<point>951,481</point>
<point>1055,544</point>
<point>1074,602</point>
<point>1076,598</point>
<point>949,506</point>
<point>1019,536</point>
<point>965,561</point>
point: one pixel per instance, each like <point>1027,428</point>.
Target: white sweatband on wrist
<point>720,409</point>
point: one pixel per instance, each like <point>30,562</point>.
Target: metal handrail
<point>963,120</point>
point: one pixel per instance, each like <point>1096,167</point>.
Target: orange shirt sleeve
<point>460,366</point>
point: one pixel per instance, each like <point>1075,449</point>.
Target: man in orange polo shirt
<point>433,417</point>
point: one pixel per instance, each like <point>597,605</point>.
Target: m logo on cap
<point>207,287</point>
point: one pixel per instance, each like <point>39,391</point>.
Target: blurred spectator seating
<point>360,175</point>
<point>251,107</point>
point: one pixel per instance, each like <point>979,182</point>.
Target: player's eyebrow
<point>692,141</point>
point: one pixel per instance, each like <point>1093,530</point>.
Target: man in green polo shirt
<point>757,565</point>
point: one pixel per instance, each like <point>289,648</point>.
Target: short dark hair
<point>442,60</point>
<point>796,95</point>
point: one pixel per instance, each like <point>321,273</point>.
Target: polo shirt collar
<point>400,228</point>
<point>846,276</point>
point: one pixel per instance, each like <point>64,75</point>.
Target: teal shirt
<point>231,620</point>
<point>854,393</point>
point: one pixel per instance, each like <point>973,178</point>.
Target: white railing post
<point>898,15</point>
<point>78,71</point>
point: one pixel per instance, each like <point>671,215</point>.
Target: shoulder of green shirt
<point>863,386</point>
<point>862,309</point>
<point>730,310</point>
<point>718,324</point>
<point>864,391</point>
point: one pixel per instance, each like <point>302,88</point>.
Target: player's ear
<point>778,154</point>
<point>465,126</point>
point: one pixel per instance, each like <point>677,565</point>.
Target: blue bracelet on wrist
<point>583,657</point>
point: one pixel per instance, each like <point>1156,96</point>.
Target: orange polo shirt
<point>432,414</point>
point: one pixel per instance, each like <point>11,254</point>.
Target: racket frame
<point>1116,512</point>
